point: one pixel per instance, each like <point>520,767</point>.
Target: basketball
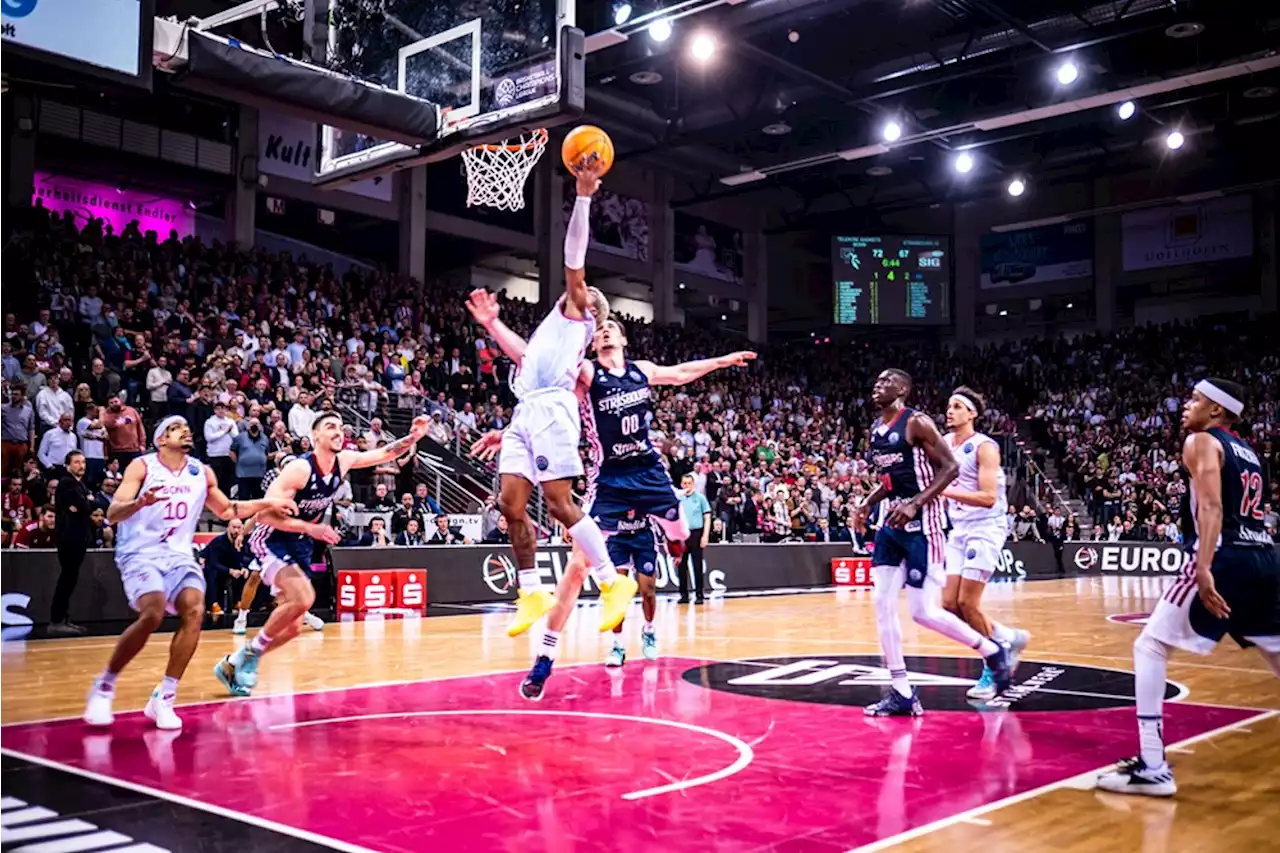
<point>584,142</point>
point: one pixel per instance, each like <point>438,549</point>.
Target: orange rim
<point>539,138</point>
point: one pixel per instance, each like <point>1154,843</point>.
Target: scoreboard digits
<point>891,280</point>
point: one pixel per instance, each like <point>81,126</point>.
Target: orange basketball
<point>585,142</point>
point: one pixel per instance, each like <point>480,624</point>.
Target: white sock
<point>926,608</point>
<point>648,627</point>
<point>260,643</point>
<point>550,644</point>
<point>169,689</point>
<point>588,536</point>
<point>1150,665</point>
<point>888,582</point>
<point>531,580</point>
<point>1003,633</point>
<point>107,681</point>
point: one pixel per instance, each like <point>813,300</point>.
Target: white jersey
<point>169,524</point>
<point>966,455</point>
<point>553,357</point>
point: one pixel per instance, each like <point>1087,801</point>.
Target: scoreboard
<point>891,280</point>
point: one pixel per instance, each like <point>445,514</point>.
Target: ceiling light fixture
<point>702,46</point>
<point>1068,72</point>
<point>963,163</point>
<point>621,13</point>
<point>1017,187</point>
<point>891,132</point>
<point>660,30</point>
<point>1126,110</point>
<point>1175,140</point>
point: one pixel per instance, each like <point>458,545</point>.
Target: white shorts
<point>168,573</point>
<point>541,444</point>
<point>973,550</point>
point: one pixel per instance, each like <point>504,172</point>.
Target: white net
<point>496,173</point>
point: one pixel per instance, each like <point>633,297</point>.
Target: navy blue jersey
<point>1244,489</point>
<point>904,471</point>
<point>619,410</point>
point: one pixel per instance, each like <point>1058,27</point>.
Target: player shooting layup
<point>157,508</point>
<point>541,444</point>
<point>283,545</point>
<point>1230,584</point>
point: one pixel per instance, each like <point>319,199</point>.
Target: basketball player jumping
<point>914,466</point>
<point>541,444</point>
<point>1229,585</point>
<point>977,505</point>
<point>628,487</point>
<point>283,545</point>
<point>156,508</point>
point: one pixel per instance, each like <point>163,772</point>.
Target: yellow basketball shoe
<point>530,607</point>
<point>614,600</point>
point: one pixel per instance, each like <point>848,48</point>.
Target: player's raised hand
<point>486,446</point>
<point>483,306</point>
<point>738,359</point>
<point>419,426</point>
<point>284,506</point>
<point>588,175</point>
<point>150,496</point>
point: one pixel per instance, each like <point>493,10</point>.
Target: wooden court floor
<point>1229,777</point>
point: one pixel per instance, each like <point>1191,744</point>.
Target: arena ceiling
<point>791,83</point>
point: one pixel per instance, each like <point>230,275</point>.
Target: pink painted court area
<point>649,758</point>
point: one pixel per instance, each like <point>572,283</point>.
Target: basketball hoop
<point>496,173</point>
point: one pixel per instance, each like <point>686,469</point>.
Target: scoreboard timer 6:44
<point>891,280</point>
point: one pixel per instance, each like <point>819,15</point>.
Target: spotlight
<point>1071,305</point>
<point>1175,140</point>
<point>1004,313</point>
<point>724,317</point>
<point>660,30</point>
<point>703,47</point>
<point>963,163</point>
<point>1067,73</point>
<point>892,131</point>
<point>621,13</point>
<point>1017,187</point>
<point>1126,110</point>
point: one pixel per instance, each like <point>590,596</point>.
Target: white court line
<point>368,686</point>
<point>745,753</point>
<point>1078,782</point>
<point>252,820</point>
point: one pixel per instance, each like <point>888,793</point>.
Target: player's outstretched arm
<point>349,459</point>
<point>988,474</point>
<point>576,237</point>
<point>126,500</point>
<point>484,309</point>
<point>227,509</point>
<point>690,371</point>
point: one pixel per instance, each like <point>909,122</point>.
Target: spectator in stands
<point>101,534</point>
<point>376,536</point>
<point>1025,527</point>
<point>73,526</point>
<point>17,429</point>
<point>226,559</point>
<point>376,435</point>
<point>219,432</point>
<point>39,533</point>
<point>423,503</point>
<point>158,381</point>
<point>18,508</point>
<point>438,430</point>
<point>126,435</point>
<point>382,499</point>
<point>412,535</point>
<point>55,445</point>
<point>446,535</point>
<point>498,535</point>
<point>407,510</point>
<point>1270,519</point>
<point>53,401</point>
<point>93,443</point>
<point>301,415</point>
<point>249,452</point>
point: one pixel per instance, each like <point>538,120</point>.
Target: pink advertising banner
<point>118,207</point>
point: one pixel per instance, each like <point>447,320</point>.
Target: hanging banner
<point>707,248</point>
<point>1037,255</point>
<point>287,148</point>
<point>619,223</point>
<point>116,206</point>
<point>1213,230</point>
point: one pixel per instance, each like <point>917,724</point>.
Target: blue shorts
<point>616,495</point>
<point>636,549</point>
<point>912,550</point>
<point>274,551</point>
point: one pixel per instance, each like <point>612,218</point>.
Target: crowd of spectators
<point>104,333</point>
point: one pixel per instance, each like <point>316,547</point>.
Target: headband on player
<point>1222,398</point>
<point>964,401</point>
<point>164,425</point>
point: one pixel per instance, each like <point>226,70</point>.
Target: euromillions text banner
<point>104,33</point>
<point>1036,255</point>
<point>86,200</point>
<point>287,148</point>
<point>1213,230</point>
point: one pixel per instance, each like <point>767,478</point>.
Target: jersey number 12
<point>1251,501</point>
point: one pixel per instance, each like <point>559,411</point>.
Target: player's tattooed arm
<point>227,509</point>
<point>127,499</point>
<point>921,432</point>
<point>349,459</point>
<point>690,371</point>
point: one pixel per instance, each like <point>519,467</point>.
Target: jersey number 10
<point>174,511</point>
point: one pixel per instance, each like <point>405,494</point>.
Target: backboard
<point>494,68</point>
